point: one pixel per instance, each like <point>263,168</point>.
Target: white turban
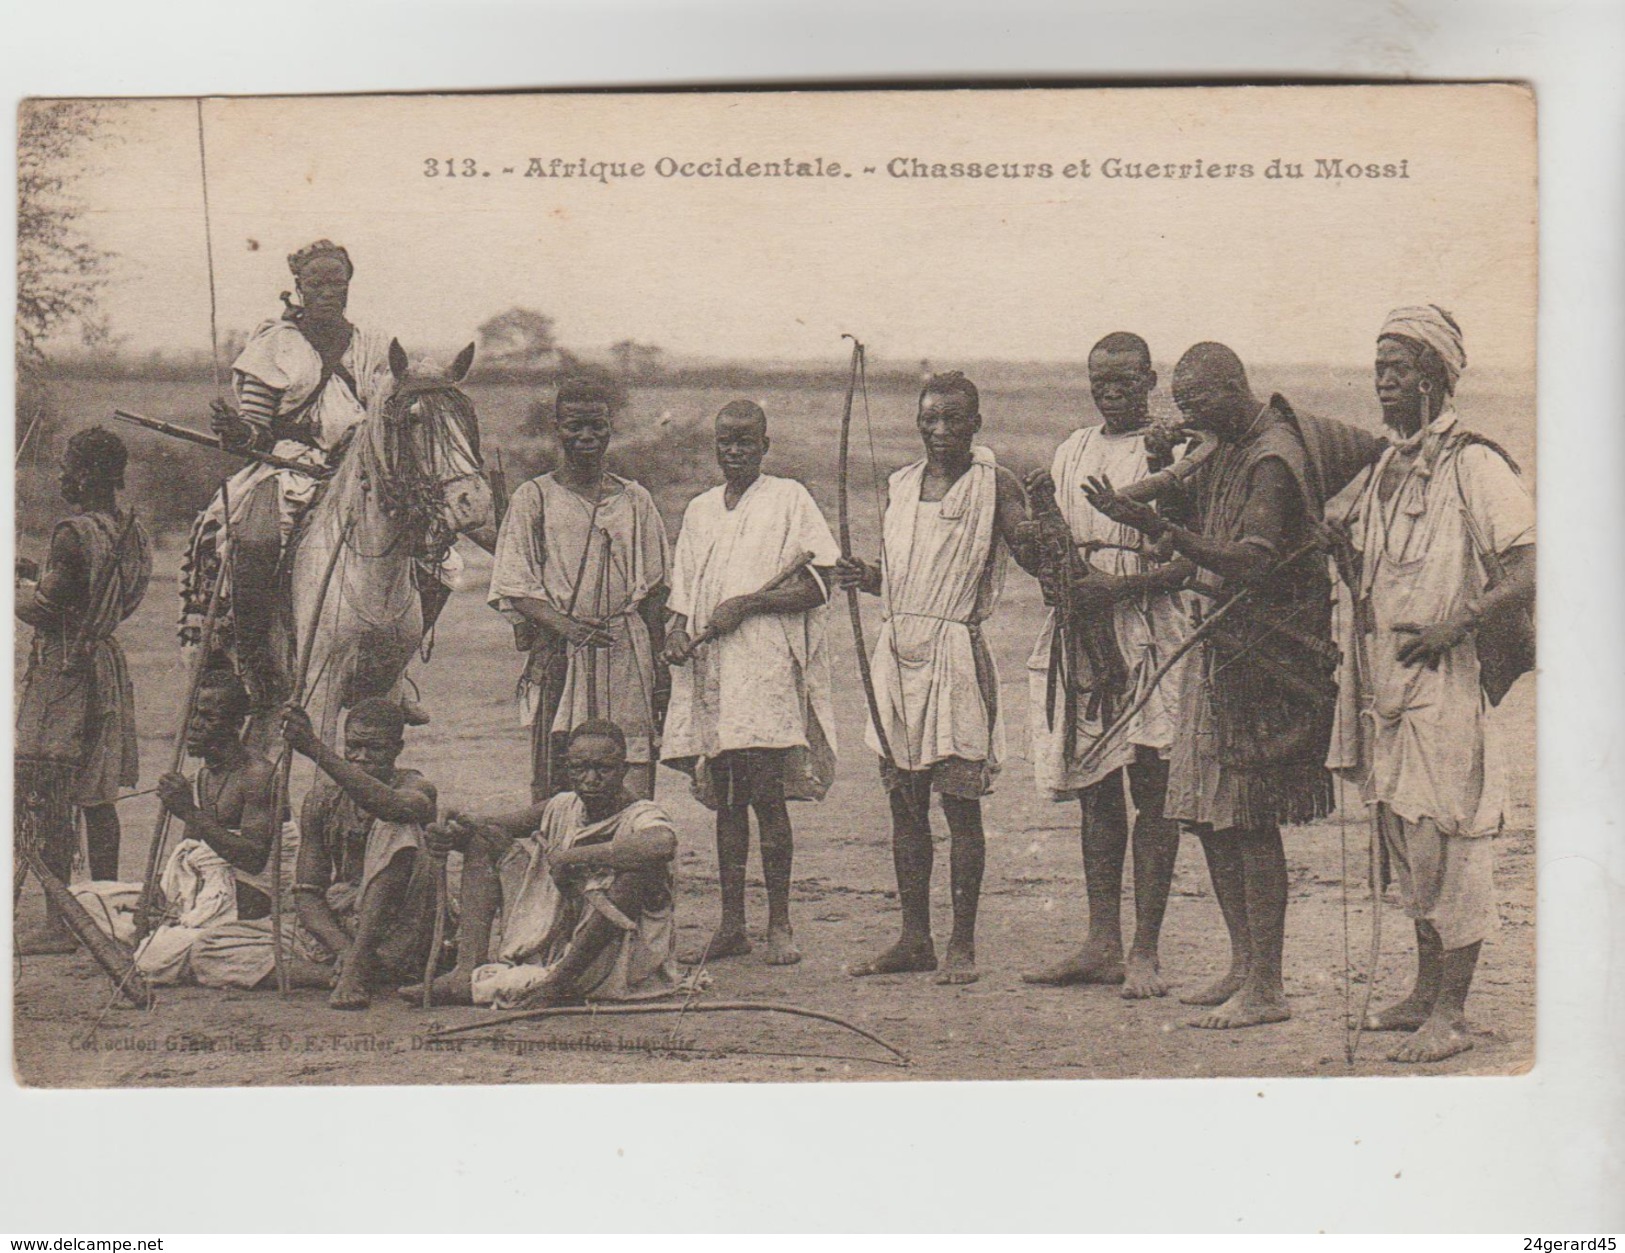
<point>1434,327</point>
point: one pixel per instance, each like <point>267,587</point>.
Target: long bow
<point>845,525</point>
<point>1207,628</point>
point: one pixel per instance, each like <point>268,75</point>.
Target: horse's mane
<point>423,420</point>
<point>381,449</point>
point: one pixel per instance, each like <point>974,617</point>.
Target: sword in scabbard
<point>208,441</point>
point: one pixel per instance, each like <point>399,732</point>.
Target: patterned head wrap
<point>1433,328</point>
<point>297,261</point>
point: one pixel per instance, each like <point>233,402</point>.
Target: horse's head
<point>425,444</point>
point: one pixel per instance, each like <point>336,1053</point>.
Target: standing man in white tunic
<point>581,571</point>
<point>950,521</point>
<point>1439,512</point>
<point>751,717</point>
<point>1149,620</point>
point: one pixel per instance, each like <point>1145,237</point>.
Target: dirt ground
<point>844,907</point>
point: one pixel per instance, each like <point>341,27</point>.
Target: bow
<point>600,1009</point>
<point>1208,627</point>
<point>845,526</point>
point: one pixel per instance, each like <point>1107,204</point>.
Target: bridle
<point>418,430</point>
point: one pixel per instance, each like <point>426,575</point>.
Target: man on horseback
<point>301,384</point>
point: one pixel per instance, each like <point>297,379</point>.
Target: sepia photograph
<point>775,586</point>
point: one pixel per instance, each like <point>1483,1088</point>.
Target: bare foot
<point>1435,1040</point>
<point>724,942</point>
<point>781,947</point>
<point>1143,978</point>
<point>47,940</point>
<point>1093,963</point>
<point>904,957</point>
<point>455,987</point>
<point>349,994</point>
<point>1406,1015</point>
<point>958,966</point>
<point>1220,990</point>
<point>1244,1009</point>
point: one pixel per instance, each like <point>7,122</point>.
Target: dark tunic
<point>1256,713</point>
<point>78,707</point>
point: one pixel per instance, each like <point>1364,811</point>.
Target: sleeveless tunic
<point>1256,710</point>
<point>78,705</point>
<point>943,570</point>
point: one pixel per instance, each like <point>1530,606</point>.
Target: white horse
<point>410,482</point>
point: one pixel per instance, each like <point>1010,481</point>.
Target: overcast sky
<point>1022,269</point>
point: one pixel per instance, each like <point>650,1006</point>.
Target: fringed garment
<point>78,707</point>
<point>1256,711</point>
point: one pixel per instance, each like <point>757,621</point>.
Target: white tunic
<point>942,566</point>
<point>550,538</point>
<point>279,355</point>
<point>1430,754</point>
<point>539,920</point>
<point>765,684</point>
<point>1149,627</point>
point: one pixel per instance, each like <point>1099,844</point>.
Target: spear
<point>285,763</point>
<point>793,567</point>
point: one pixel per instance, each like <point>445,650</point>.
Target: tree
<point>58,269</point>
<point>636,362</point>
<point>518,339</point>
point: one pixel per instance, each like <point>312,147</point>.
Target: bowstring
<point>885,569</point>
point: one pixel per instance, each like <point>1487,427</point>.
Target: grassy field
<point>844,902</point>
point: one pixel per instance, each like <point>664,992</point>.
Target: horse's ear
<point>459,367</point>
<point>397,360</point>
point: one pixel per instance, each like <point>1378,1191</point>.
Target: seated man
<point>364,895</point>
<point>584,882</point>
<point>217,872</point>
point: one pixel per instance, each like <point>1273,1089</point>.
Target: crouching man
<point>217,873</point>
<point>363,888</point>
<point>584,885</point>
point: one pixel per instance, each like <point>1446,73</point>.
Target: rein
<point>399,467</point>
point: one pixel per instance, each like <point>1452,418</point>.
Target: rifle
<point>793,567</point>
<point>208,441</point>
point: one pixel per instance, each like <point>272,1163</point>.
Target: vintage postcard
<point>762,586</point>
